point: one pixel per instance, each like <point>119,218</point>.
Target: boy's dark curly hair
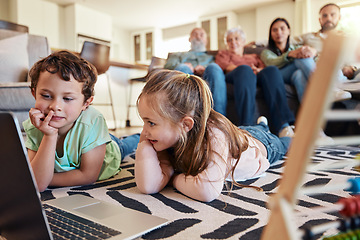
<point>66,64</point>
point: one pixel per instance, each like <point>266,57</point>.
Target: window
<point>206,26</point>
<point>350,18</point>
<point>177,44</point>
<point>222,28</point>
<point>149,48</point>
<point>137,47</point>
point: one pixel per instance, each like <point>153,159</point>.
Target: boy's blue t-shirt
<point>89,131</point>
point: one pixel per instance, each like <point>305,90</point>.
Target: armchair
<point>99,55</point>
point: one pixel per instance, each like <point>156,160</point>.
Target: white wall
<point>247,21</point>
<point>41,17</point>
<point>4,10</point>
<point>157,43</point>
<point>92,23</point>
<point>68,27</point>
<point>77,19</point>
<point>120,45</point>
<point>61,24</point>
<point>265,15</point>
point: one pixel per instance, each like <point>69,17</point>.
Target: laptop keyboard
<point>65,225</point>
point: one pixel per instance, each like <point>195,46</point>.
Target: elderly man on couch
<point>197,61</point>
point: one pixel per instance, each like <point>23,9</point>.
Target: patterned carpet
<point>239,214</point>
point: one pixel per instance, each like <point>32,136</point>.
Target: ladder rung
<point>327,165</point>
<point>342,115</point>
<point>319,189</point>
<point>349,140</point>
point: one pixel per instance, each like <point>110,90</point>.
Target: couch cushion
<point>14,59</point>
<point>16,97</point>
<point>38,48</point>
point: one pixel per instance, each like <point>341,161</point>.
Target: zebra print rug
<point>238,214</point>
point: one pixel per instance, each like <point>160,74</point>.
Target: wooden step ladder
<point>315,109</point>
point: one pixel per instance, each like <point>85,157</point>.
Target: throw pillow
<point>14,59</point>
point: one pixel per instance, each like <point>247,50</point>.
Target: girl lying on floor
<point>184,142</point>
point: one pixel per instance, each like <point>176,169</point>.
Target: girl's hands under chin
<point>145,150</point>
<point>42,121</point>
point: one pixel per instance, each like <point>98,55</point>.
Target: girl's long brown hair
<point>174,95</point>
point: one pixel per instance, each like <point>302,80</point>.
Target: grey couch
<point>18,52</point>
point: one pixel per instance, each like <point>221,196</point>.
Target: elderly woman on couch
<point>246,72</point>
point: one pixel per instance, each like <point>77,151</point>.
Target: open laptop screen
<point>21,213</point>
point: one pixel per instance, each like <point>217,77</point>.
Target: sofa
<point>18,52</point>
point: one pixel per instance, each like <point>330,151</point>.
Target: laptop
<point>24,216</point>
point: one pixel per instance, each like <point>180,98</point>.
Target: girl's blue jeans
<point>276,147</point>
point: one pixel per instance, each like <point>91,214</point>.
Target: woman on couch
<point>246,72</point>
<point>296,63</point>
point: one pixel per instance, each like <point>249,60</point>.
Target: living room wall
<point>265,15</point>
<point>4,9</point>
<point>42,18</point>
<point>254,22</point>
<point>60,24</point>
<point>302,15</point>
<point>48,19</point>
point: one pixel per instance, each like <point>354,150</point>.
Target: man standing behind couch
<point>197,61</point>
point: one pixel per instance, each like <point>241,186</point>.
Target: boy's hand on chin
<point>42,121</point>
